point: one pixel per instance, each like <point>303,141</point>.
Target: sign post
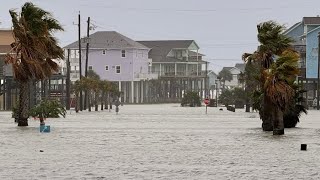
<point>206,102</point>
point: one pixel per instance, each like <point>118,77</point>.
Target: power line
<point>151,10</point>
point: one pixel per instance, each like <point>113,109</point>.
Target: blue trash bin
<point>44,128</point>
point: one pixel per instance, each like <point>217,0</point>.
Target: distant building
<point>235,72</point>
<point>180,68</point>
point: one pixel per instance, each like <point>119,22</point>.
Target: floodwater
<point>159,142</point>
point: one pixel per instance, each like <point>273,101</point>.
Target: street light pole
<point>318,84</point>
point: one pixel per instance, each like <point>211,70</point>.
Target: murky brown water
<point>158,142</point>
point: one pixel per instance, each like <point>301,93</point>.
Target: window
<point>77,53</point>
<point>90,67</point>
<point>104,52</point>
<point>107,68</point>
<point>123,53</point>
<point>118,69</point>
<point>234,77</point>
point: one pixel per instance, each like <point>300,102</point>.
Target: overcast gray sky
<point>224,29</point>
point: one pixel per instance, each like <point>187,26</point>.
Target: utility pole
<point>86,68</point>
<point>318,84</point>
<point>80,67</point>
<point>68,82</point>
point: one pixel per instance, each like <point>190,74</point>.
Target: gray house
<point>117,58</point>
<point>180,68</point>
<point>235,72</point>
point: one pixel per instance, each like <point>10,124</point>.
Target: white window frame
<point>123,52</point>
<point>106,67</point>
<point>119,69</point>
<point>90,68</point>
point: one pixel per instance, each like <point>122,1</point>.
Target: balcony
<point>141,76</point>
<point>182,74</point>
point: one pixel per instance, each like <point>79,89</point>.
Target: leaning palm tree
<point>33,51</point>
<point>273,43</point>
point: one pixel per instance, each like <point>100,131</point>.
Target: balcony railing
<point>146,75</point>
<point>182,74</point>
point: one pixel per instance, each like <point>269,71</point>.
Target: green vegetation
<point>191,99</point>
<point>98,90</point>
<point>230,97</point>
<point>47,109</point>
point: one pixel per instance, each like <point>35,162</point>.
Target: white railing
<point>146,76</point>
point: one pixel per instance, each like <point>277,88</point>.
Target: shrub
<point>191,98</point>
<point>48,109</point>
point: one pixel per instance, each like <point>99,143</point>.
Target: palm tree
<point>273,43</point>
<point>33,51</point>
<point>104,87</point>
<point>278,90</point>
<point>225,75</point>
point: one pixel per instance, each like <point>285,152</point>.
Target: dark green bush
<point>191,99</point>
<point>48,109</point>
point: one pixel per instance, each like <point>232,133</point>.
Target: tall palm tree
<point>33,51</point>
<point>225,75</point>
<point>273,43</point>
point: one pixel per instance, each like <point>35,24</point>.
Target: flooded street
<point>159,142</point>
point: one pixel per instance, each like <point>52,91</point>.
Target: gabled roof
<point>227,68</point>
<point>311,20</point>
<point>240,66</point>
<point>292,27</point>
<point>212,72</point>
<point>108,40</point>
<point>161,48</point>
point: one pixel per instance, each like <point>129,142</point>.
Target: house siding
<point>134,63</point>
<point>312,57</point>
<point>296,33</point>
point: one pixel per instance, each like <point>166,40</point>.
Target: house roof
<point>108,40</point>
<point>212,72</point>
<point>311,20</point>
<point>227,68</point>
<point>240,66</point>
<point>161,48</point>
<point>292,27</point>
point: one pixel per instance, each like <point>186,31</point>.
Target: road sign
<point>206,101</point>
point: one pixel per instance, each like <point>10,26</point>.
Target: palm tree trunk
<point>247,104</point>
<point>96,101</point>
<point>267,114</point>
<point>23,104</point>
<point>106,101</point>
<point>89,101</point>
<point>77,102</point>
<point>102,100</point>
<point>42,121</point>
<point>278,126</point>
